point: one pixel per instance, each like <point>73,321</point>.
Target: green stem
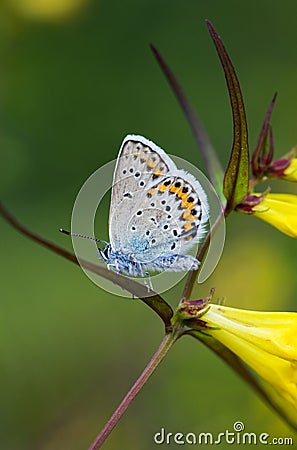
<point>167,342</point>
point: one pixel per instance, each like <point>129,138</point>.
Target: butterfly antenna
<point>92,238</point>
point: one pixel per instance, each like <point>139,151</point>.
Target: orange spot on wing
<point>163,187</point>
<point>151,164</point>
<point>188,216</point>
<point>187,226</point>
<point>186,204</point>
<point>182,195</point>
<point>190,226</point>
<point>151,192</point>
<point>174,189</point>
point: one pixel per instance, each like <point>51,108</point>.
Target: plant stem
<point>200,255</point>
<point>154,300</point>
<point>163,349</point>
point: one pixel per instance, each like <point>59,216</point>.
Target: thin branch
<point>192,276</point>
<point>155,301</point>
<point>211,161</point>
<point>160,354</point>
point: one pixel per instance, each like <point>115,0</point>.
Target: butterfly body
<point>157,212</point>
<point>126,264</point>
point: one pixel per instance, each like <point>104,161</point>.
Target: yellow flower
<point>285,167</point>
<point>266,341</point>
<point>290,173</point>
<point>280,210</point>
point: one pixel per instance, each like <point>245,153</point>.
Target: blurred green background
<point>75,78</point>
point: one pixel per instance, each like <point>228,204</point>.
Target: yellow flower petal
<point>265,341</point>
<point>290,173</point>
<point>280,210</point>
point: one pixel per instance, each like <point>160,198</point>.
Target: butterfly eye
<point>124,172</point>
<point>168,208</point>
<point>165,227</point>
<point>153,204</point>
<point>131,170</point>
<point>163,202</point>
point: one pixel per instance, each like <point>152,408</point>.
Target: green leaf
<point>236,180</point>
<point>212,164</point>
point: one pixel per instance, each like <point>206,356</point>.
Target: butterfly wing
<point>140,163</point>
<point>156,210</point>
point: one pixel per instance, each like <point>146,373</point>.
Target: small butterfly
<point>157,212</point>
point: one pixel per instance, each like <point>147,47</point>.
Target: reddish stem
<point>163,349</point>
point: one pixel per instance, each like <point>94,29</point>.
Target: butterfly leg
<point>146,277</point>
<point>148,281</point>
<point>113,267</point>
